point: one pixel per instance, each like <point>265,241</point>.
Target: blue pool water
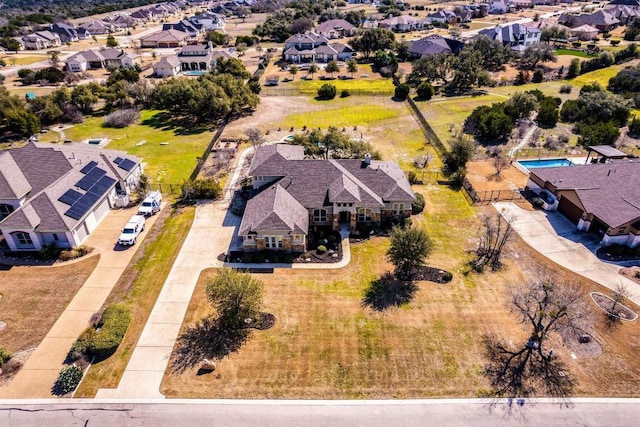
<point>194,73</point>
<point>545,163</point>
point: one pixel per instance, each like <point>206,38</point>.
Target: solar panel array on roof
<point>99,187</point>
<point>88,167</point>
<point>91,179</point>
<point>70,197</point>
<point>126,164</point>
<point>118,160</point>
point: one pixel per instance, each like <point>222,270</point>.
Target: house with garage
<point>601,19</point>
<point>186,26</point>
<point>165,39</point>
<point>168,66</point>
<point>58,194</point>
<point>336,29</point>
<point>93,59</point>
<point>210,21</point>
<point>602,198</point>
<point>403,23</point>
<point>96,26</point>
<point>313,47</point>
<point>297,195</point>
<point>41,40</point>
<point>66,32</point>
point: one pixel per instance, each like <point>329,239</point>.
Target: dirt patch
<point>432,274</point>
<point>12,366</point>
<point>482,176</point>
<point>631,273</point>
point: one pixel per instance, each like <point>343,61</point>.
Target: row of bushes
<point>267,256</point>
<point>103,339</point>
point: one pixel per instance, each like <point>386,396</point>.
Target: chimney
<point>367,159</point>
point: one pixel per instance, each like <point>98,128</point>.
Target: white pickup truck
<point>151,204</point>
<point>131,230</point>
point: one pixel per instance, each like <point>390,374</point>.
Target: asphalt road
<point>405,413</point>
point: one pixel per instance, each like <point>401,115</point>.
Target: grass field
<point>570,52</point>
<point>138,288</point>
<point>342,115</point>
<point>24,60</point>
<point>172,163</point>
<point>372,85</point>
<point>43,291</point>
<point>600,76</point>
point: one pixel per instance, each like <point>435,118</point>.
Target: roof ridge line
<point>357,181</point>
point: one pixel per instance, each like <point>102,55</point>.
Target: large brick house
<point>297,195</point>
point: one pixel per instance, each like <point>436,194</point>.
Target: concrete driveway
<point>38,374</point>
<point>557,238</point>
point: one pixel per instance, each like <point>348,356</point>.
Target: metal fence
<point>166,188</point>
<point>289,91</point>
<point>489,196</point>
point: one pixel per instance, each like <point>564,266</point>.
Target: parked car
<point>131,230</point>
<point>151,204</point>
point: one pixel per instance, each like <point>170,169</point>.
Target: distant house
<point>434,44</point>
<point>186,26</point>
<point>499,7</point>
<point>403,23</point>
<point>516,36</point>
<point>584,32</point>
<point>58,194</point>
<point>199,57</point>
<point>165,39</point>
<point>83,33</point>
<point>625,14</point>
<point>41,40</point>
<point>168,66</point>
<point>599,198</point>
<point>601,19</point>
<point>142,15</point>
<point>93,59</point>
<point>97,26</point>
<point>312,47</point>
<point>630,3</point>
<point>210,21</point>
<point>66,32</point>
<point>298,194</point>
<point>123,20</point>
<point>449,17</point>
<point>336,29</point>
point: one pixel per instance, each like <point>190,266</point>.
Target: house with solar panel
<point>58,194</point>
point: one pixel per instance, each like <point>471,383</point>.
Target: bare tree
<point>531,368</point>
<point>496,234</point>
<point>255,137</point>
<point>500,163</point>
<point>618,294</point>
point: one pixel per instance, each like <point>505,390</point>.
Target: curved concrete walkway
<point>557,238</point>
<point>38,374</point>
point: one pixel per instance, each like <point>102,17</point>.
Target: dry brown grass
<point>34,298</point>
<point>482,175</point>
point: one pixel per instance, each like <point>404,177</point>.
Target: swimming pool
<point>545,163</point>
<point>94,141</point>
<point>194,73</point>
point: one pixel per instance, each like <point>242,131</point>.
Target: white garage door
<point>81,234</point>
<point>102,210</point>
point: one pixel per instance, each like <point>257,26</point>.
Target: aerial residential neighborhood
<point>324,202</point>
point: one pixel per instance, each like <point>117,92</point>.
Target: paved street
<point>405,413</point>
<point>37,376</point>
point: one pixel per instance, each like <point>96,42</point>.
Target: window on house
<point>364,215</point>
<point>55,237</point>
<point>319,215</point>
<point>24,239</point>
<point>398,208</point>
<point>5,210</point>
<point>250,237</point>
<point>273,242</point>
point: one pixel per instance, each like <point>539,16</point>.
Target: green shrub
<point>201,188</point>
<point>77,252</point>
<point>402,91</point>
<point>331,238</point>
<point>274,257</point>
<point>447,276</point>
<point>68,380</point>
<point>322,249</point>
<point>614,42</point>
<point>80,348</point>
<point>417,206</point>
<point>4,356</point>
<point>566,88</point>
<point>412,177</point>
<point>258,257</point>
<point>538,76</point>
<point>425,91</point>
<point>634,127</point>
<point>576,43</point>
<point>345,93</point>
<point>110,330</point>
<point>288,258</point>
<point>327,91</point>
<point>49,252</point>
<point>247,257</point>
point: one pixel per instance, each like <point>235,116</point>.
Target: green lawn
<point>445,113</point>
<point>342,115</point>
<point>172,163</point>
<point>24,60</point>
<point>601,76</point>
<point>372,85</point>
<point>570,52</point>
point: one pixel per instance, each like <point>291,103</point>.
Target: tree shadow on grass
<point>388,291</point>
<point>206,340</point>
<point>177,124</point>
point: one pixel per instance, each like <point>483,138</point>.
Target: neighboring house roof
<point>335,24</point>
<point>274,209</point>
<point>401,20</point>
<point>168,62</point>
<point>508,33</point>
<point>584,29</point>
<point>13,183</point>
<point>610,191</point>
<point>309,37</point>
<point>434,44</point>
<point>625,2</point>
<point>166,36</point>
<point>67,181</point>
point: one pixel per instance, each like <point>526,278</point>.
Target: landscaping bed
<point>617,252</point>
<point>621,312</point>
<point>432,274</point>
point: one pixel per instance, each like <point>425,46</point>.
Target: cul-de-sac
<point>336,200</point>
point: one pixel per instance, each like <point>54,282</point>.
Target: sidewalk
<point>557,238</point>
<point>39,373</point>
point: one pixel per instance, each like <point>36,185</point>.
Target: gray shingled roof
<point>338,24</point>
<point>13,183</point>
<point>274,209</point>
<point>610,191</point>
<point>51,170</point>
